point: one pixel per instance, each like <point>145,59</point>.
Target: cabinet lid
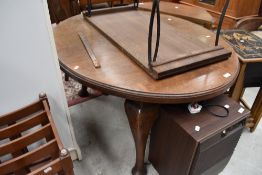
<point>204,125</point>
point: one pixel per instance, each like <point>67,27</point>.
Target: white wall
<point>28,62</point>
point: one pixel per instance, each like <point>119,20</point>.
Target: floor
<point>107,146</point>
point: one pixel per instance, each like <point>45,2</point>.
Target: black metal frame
<point>155,9</point>
<point>221,21</point>
<point>89,6</point>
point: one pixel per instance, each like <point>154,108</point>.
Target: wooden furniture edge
<point>218,13</point>
<point>148,97</point>
<point>252,60</point>
<point>205,23</point>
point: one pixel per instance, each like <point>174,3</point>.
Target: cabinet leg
<point>141,117</point>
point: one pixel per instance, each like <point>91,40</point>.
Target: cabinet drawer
<point>221,136</point>
<point>216,149</point>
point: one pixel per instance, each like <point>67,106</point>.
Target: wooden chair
<point>249,23</point>
<point>250,75</point>
<point>30,144</point>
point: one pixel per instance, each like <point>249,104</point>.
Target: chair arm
<point>249,23</point>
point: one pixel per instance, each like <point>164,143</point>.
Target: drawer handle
<point>209,106</point>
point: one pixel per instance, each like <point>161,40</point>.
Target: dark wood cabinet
<point>60,10</point>
<point>237,9</point>
<point>176,147</point>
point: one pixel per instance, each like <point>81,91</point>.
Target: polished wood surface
<point>31,139</point>
<point>177,148</point>
<point>120,76</point>
<point>237,9</point>
<point>178,52</point>
<point>196,15</point>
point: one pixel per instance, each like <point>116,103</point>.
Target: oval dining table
<point>120,76</point>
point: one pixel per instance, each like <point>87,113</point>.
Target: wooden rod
<point>89,50</point>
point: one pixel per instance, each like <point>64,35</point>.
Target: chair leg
<point>256,110</point>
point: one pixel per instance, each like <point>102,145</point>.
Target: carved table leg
<point>141,117</point>
<point>83,92</point>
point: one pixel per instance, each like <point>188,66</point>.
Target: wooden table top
<point>120,76</point>
<point>179,50</point>
<point>193,14</point>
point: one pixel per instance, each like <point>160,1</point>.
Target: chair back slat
<point>26,159</point>
<point>21,113</point>
<point>55,168</point>
<point>26,140</point>
<point>24,125</point>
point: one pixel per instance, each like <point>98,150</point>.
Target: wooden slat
<point>26,140</point>
<point>23,125</point>
<point>39,163</point>
<point>185,56</point>
<point>21,113</point>
<point>62,165</point>
<point>196,15</point>
<point>184,65</point>
<point>22,171</point>
<point>55,165</point>
<point>26,159</point>
<point>55,132</point>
